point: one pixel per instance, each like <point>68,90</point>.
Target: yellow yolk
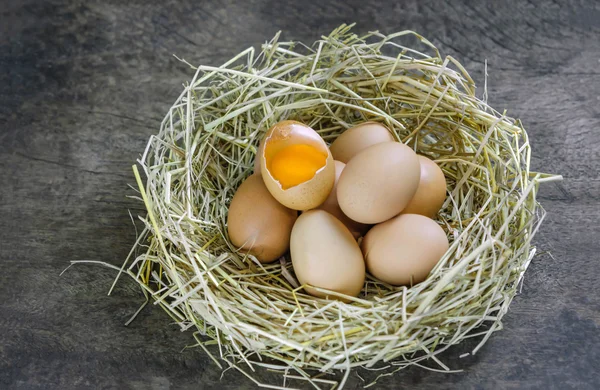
<point>296,164</point>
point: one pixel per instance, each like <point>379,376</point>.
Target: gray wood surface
<point>83,84</point>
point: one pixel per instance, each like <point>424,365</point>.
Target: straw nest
<point>255,313</point>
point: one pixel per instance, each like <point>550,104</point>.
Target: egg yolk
<point>296,164</point>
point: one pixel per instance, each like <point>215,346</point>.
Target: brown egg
<point>332,207</point>
<point>403,250</point>
<point>326,255</point>
<point>378,182</point>
<point>431,194</point>
<point>357,139</point>
<point>296,165</point>
<point>257,223</point>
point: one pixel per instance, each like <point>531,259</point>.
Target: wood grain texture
<point>83,84</point>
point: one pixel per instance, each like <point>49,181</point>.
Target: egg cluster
<point>365,186</point>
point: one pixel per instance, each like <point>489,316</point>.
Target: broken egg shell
<point>310,193</point>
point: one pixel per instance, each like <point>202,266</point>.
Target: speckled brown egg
<point>358,138</point>
<point>257,223</point>
<point>431,193</point>
<point>378,183</point>
<point>403,250</point>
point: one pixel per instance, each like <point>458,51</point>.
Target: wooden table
<point>83,84</point>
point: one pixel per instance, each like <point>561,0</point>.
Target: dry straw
<point>256,314</point>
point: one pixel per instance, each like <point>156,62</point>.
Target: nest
<point>257,314</point>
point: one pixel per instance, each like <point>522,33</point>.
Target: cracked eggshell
<point>310,193</point>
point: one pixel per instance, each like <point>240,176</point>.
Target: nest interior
<point>254,313</point>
